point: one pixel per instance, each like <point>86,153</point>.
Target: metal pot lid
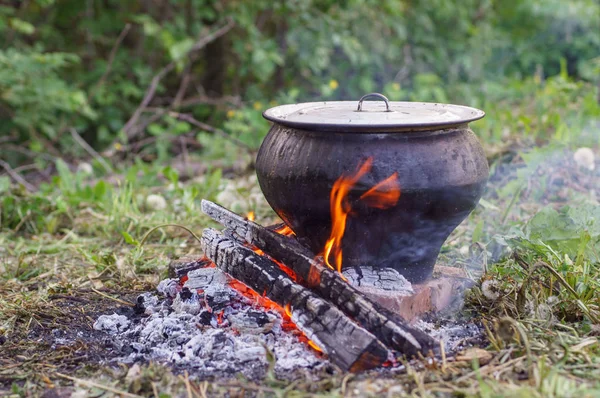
<point>371,116</point>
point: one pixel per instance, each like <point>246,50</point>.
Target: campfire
<point>341,297</point>
<point>261,280</point>
<point>336,318</point>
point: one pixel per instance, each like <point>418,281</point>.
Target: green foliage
<point>574,231</point>
<point>58,69</point>
<point>35,96</point>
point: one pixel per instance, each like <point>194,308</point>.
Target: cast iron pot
<point>441,166</point>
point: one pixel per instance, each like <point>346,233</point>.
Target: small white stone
<point>134,372</point>
<point>80,393</point>
<point>490,289</point>
<point>585,158</point>
<point>156,202</point>
<point>464,250</point>
<point>85,168</point>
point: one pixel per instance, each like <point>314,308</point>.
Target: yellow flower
<point>396,86</point>
<point>118,146</point>
<point>257,106</point>
<point>333,84</point>
<point>230,113</point>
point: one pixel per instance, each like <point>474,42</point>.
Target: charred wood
<point>388,327</point>
<point>348,345</point>
<point>182,266</point>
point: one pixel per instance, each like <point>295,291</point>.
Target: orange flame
<point>383,195</point>
<point>314,346</point>
<point>265,302</point>
<point>339,208</point>
<point>285,230</point>
<point>220,317</point>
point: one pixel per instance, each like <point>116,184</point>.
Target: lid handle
<point>380,96</point>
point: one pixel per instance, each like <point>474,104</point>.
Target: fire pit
<point>340,320</point>
<point>259,290</point>
<point>393,179</point>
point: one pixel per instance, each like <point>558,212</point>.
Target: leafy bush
<point>35,97</point>
<point>88,64</point>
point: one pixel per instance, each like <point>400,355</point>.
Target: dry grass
<point>80,258</point>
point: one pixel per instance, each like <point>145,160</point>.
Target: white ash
<point>187,303</point>
<point>112,324</point>
<point>455,334</point>
<point>169,287</point>
<point>148,302</point>
<point>211,280</point>
<point>208,328</point>
<point>387,279</point>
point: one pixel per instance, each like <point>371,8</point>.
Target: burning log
<point>388,327</point>
<point>348,345</point>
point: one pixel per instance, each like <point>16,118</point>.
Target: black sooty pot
<point>441,171</point>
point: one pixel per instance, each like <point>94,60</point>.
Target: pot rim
<point>396,116</point>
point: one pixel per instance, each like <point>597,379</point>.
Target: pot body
<point>441,174</point>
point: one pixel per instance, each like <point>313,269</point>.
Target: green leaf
<point>4,184</point>
<point>129,239</point>
<point>21,26</point>
<point>100,189</point>
<point>478,232</point>
<point>171,174</point>
<point>488,205</point>
<point>155,129</point>
<point>572,230</point>
<point>67,181</point>
<point>180,49</point>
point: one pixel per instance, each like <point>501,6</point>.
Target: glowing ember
<point>259,300</point>
<point>286,312</point>
<point>314,346</point>
<point>383,195</point>
<point>220,317</point>
<point>285,230</point>
<point>262,300</point>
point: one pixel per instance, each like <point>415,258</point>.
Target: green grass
<point>532,245</point>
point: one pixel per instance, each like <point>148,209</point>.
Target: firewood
<point>180,267</point>
<point>348,345</point>
<point>388,327</point>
